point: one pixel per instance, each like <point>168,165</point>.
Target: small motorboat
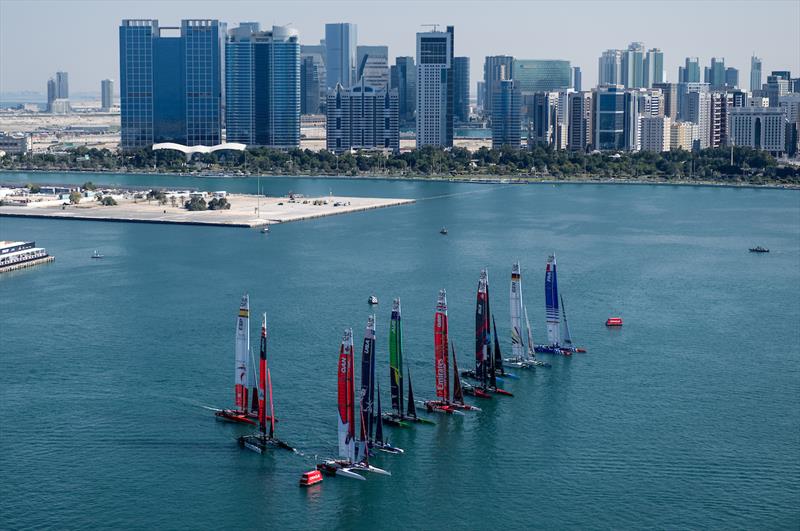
<point>614,321</point>
<point>443,230</point>
<point>759,249</point>
<point>372,299</point>
<point>265,229</point>
<point>95,254</point>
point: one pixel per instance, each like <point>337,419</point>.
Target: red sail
<point>346,398</point>
<point>441,348</point>
<point>262,375</point>
<point>271,407</point>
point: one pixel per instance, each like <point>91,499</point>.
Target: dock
<point>248,211</point>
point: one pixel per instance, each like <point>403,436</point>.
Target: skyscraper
<point>435,88</point>
<point>263,76</point>
<point>62,85</point>
<point>535,75</point>
<point>697,109</point>
<point>609,68</point>
<point>340,43</point>
<point>655,133</point>
<point>461,88</point>
<point>690,73</point>
<point>309,86</point>
<point>542,111</point>
<point>580,121</point>
<point>616,119</point>
<point>51,93</point>
<point>106,94</point>
<point>653,67</point>
<point>670,92</point>
<point>715,74</point>
<point>577,80</point>
<point>506,115</point>
<point>755,73</point>
<point>731,77</point>
<point>362,117</point>
<point>171,87</point>
<point>373,65</point>
<point>633,65</point>
<point>495,68</point>
<point>317,53</point>
<point>404,79</point>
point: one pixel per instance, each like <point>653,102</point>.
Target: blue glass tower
<point>171,87</point>
<point>263,94</point>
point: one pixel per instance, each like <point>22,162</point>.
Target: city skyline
<point>677,35</point>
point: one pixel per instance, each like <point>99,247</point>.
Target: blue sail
<point>553,314</point>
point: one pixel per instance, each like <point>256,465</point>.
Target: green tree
<point>74,197</point>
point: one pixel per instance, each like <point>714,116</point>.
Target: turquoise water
<point>688,416</point>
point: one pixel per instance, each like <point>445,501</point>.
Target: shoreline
<point>477,179</point>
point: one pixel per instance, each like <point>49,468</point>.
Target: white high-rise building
<point>758,128</point>
<point>434,100</point>
<point>610,68</point>
<point>655,133</point>
<point>698,110</point>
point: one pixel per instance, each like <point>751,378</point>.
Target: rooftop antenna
<point>434,26</point>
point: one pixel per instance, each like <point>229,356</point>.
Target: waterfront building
<point>670,94</point>
<point>633,65</point>
<point>697,109</point>
<point>537,75</point>
<point>653,67</point>
<point>790,105</point>
<point>316,74</point>
<point>340,48</point>
<point>60,106</point>
<point>15,143</point>
<point>683,90</point>
<point>577,78</point>
<point>171,87</point>
<point>777,85</point>
<point>435,88</point>
<point>362,117</point>
<point>496,68</point>
<point>17,255</point>
<point>461,89</point>
<point>404,79</point>
<point>609,69</point>
<point>106,94</point>
<point>683,135</point>
<point>580,121</point>
<point>542,114</point>
<point>506,123</point>
<point>690,72</point>
<point>615,119</point>
<point>755,73</point>
<point>720,104</point>
<point>309,85</point>
<point>373,65</point>
<point>263,103</point>
<point>655,133</point>
<point>759,128</point>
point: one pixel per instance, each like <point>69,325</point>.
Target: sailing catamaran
<point>240,412</point>
<point>347,463</point>
<point>485,360</point>
<point>398,417</point>
<point>553,315</point>
<point>441,356</point>
<point>521,357</point>
<point>369,417</point>
<point>263,440</point>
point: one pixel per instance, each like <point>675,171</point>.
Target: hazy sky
<point>39,37</point>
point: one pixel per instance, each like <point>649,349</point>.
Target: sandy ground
<point>244,211</point>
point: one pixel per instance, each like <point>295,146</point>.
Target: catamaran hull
<point>236,417</point>
<point>550,349</point>
<point>260,445</point>
<point>335,469</point>
<point>435,406</point>
<point>387,448</point>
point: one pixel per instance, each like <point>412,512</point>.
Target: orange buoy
<point>614,321</point>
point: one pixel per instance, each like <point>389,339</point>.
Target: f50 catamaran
<point>398,416</point>
<point>264,439</point>
<point>346,464</point>
<point>553,315</point>
<point>522,353</point>
<point>241,381</point>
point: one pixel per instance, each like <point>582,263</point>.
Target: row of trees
<point>749,165</point>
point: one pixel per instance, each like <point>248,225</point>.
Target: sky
<point>39,37</point>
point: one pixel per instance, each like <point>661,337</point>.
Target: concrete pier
<point>29,263</point>
<point>246,210</point>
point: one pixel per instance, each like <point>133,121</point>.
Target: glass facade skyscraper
<point>340,47</point>
<point>616,119</point>
<point>755,73</point>
<point>506,123</point>
<point>496,68</point>
<point>435,88</point>
<point>461,88</point>
<point>404,79</point>
<point>171,85</point>
<point>534,75</point>
<point>263,76</point>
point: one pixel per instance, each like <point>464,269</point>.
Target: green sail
<point>396,359</point>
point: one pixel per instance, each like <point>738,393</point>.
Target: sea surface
<point>686,417</point>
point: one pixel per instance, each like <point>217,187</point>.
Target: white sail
<point>516,312</point>
<point>531,352</point>
<point>242,352</point>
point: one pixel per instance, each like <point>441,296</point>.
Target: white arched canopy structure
<point>191,150</point>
